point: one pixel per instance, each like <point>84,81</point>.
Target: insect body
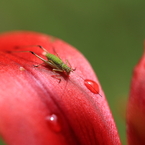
<point>53,61</point>
<point>57,64</point>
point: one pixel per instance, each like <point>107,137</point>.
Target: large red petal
<point>30,95</point>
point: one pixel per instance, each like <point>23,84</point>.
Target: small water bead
<point>22,68</point>
<point>92,86</point>
<point>53,122</point>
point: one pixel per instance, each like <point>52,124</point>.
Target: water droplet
<point>22,68</point>
<point>53,122</point>
<point>92,86</point>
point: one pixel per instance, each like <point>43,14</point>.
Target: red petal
<point>36,109</point>
<point>136,106</point>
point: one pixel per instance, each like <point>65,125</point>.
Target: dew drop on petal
<point>53,122</point>
<point>22,68</point>
<point>92,86</point>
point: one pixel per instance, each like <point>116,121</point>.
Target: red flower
<point>37,110</point>
<point>136,106</point>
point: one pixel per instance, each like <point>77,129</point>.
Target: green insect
<point>53,61</point>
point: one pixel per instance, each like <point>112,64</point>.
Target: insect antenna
<point>32,46</point>
<point>56,53</point>
<point>28,52</point>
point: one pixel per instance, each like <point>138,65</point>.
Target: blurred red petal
<point>136,106</point>
<point>36,109</point>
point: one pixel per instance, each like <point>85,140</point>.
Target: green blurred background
<point>109,33</point>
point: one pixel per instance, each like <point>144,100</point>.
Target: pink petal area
<point>29,96</point>
<point>136,106</point>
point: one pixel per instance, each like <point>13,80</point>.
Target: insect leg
<point>37,56</point>
<point>67,62</point>
<point>31,53</point>
<point>39,64</point>
<point>57,77</point>
<point>55,69</point>
<point>56,53</point>
<point>33,46</point>
<point>42,48</point>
